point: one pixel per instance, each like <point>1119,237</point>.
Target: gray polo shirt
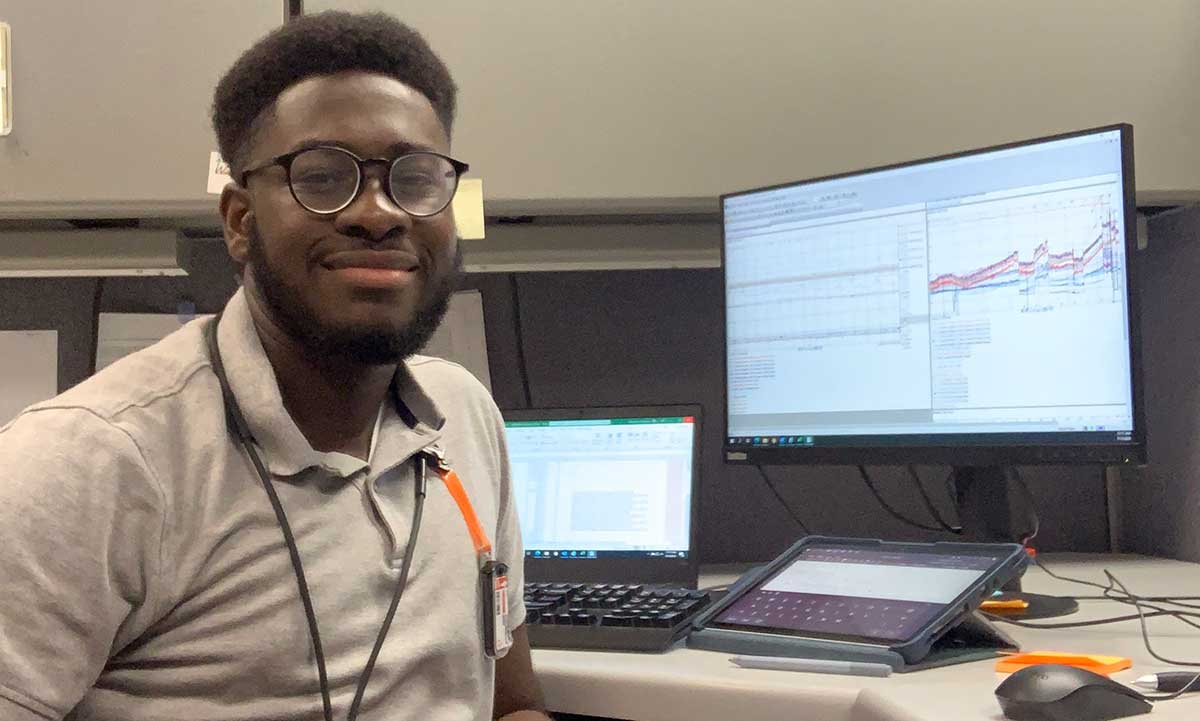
<point>143,576</point>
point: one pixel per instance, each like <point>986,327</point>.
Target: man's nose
<point>373,215</point>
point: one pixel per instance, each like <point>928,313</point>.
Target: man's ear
<point>237,219</point>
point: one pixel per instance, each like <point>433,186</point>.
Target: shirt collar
<point>287,452</point>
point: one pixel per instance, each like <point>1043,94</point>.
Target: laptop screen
<point>617,486</point>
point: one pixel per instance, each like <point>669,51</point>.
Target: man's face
<point>370,283</point>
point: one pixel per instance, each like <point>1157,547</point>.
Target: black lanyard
<point>241,431</point>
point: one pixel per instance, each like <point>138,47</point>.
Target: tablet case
<point>973,639</point>
<point>969,637</point>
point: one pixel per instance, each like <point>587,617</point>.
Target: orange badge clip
<point>483,547</point>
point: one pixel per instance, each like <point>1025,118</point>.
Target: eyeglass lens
<point>326,180</point>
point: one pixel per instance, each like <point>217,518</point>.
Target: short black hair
<point>323,44</point>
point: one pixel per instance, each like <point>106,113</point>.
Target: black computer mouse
<point>1053,692</point>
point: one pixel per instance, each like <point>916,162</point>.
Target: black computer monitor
<point>976,309</point>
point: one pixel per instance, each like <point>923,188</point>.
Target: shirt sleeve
<point>81,523</point>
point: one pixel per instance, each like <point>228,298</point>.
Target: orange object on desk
<point>1006,605</point>
<point>1092,662</point>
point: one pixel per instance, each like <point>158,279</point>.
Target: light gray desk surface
<point>689,685</point>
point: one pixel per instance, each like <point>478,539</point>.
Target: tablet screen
<point>860,592</point>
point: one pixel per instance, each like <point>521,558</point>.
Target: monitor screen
<point>595,488</point>
<point>979,302</point>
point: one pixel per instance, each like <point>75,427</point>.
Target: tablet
<point>899,595</point>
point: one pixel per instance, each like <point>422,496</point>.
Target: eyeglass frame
<point>285,161</point>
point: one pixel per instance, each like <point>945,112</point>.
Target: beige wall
<point>639,100</point>
<point>111,102</point>
<point>663,98</point>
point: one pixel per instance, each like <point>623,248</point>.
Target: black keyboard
<point>613,617</point>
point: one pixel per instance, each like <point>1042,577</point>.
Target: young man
<point>216,528</point>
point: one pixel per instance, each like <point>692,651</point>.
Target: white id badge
<point>493,581</point>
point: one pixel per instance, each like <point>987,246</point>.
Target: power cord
<point>766,479</point>
<point>519,338</point>
<point>1146,637</point>
<point>933,511</point>
<point>1035,523</point>
<point>97,297</point>
<point>862,471</point>
<point>1141,605</point>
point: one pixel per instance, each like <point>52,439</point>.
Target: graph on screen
<point>1029,254</point>
<point>844,285</point>
<point>971,295</point>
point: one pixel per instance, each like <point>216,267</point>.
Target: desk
<point>689,685</point>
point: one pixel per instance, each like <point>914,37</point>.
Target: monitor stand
<point>989,512</point>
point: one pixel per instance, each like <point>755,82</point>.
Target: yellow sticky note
<point>468,208</point>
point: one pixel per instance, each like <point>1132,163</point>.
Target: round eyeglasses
<point>326,179</point>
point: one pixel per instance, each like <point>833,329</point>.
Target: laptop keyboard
<point>614,617</point>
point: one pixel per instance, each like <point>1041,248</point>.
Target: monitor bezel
<point>999,449</point>
<point>637,569</point>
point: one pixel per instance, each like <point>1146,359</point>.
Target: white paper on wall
<point>28,369</point>
<point>120,334</point>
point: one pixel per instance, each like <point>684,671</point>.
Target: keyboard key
<point>669,619</point>
<point>614,619</point>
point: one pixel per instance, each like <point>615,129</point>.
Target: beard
<point>368,345</point>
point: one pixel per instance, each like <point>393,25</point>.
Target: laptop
<point>607,495</point>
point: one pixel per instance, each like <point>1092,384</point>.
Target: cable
<point>97,296</point>
<point>1073,624</point>
<point>1173,600</point>
<point>1140,604</point>
<point>1108,591</point>
<point>519,337</point>
<point>1123,597</point>
<point>1146,638</point>
<point>933,511</point>
<point>1034,521</point>
<point>862,471</point>
<point>1041,563</point>
<point>779,497</point>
